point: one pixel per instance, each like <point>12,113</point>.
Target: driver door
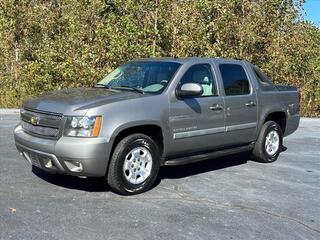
<point>197,123</point>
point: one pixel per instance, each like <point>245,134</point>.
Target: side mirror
<point>189,90</point>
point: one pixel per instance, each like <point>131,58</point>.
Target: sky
<point>312,9</point>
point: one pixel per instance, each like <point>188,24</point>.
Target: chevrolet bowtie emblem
<point>34,120</point>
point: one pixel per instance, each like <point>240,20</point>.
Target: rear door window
<point>235,80</point>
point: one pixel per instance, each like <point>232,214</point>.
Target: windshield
<point>150,77</point>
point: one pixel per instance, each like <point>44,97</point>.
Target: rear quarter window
<point>262,78</point>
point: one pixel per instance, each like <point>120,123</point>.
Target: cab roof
<point>183,60</point>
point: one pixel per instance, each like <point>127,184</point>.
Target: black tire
<point>116,176</point>
<point>259,152</point>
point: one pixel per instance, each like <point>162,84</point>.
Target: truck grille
<point>41,123</point>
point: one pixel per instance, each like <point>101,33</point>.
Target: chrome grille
<point>42,124</point>
<point>45,131</point>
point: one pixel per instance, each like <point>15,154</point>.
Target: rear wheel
<point>134,165</point>
<point>269,143</point>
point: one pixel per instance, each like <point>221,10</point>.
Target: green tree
<point>53,44</point>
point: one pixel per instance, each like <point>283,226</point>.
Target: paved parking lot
<point>224,198</point>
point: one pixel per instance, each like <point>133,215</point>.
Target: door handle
<point>250,104</point>
<point>216,107</point>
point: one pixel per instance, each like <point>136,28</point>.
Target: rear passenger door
<point>240,104</point>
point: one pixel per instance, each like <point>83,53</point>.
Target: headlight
<point>82,126</point>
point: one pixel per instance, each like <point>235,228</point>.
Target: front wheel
<point>134,165</point>
<point>269,143</point>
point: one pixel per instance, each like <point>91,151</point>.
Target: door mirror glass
<point>190,90</point>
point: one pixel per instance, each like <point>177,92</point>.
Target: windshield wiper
<point>100,85</point>
<point>125,87</point>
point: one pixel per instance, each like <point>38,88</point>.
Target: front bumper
<point>67,155</point>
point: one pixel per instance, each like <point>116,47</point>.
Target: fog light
<point>47,163</point>
<point>74,166</point>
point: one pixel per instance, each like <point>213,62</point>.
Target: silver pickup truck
<point>153,112</point>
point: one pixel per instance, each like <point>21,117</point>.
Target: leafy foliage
<point>53,44</point>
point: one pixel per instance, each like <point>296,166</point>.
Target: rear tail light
<point>299,104</point>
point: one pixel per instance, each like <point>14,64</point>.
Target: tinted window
<point>201,74</point>
<point>234,79</point>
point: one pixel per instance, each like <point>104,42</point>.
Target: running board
<point>205,156</point>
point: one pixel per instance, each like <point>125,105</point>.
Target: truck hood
<point>76,100</point>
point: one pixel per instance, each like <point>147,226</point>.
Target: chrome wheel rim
<point>137,165</point>
<point>272,142</point>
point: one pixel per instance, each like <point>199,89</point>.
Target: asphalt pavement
<point>224,198</point>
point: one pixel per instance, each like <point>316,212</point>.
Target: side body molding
<point>201,132</point>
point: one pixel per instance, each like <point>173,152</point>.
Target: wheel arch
<point>151,129</point>
<point>279,117</point>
